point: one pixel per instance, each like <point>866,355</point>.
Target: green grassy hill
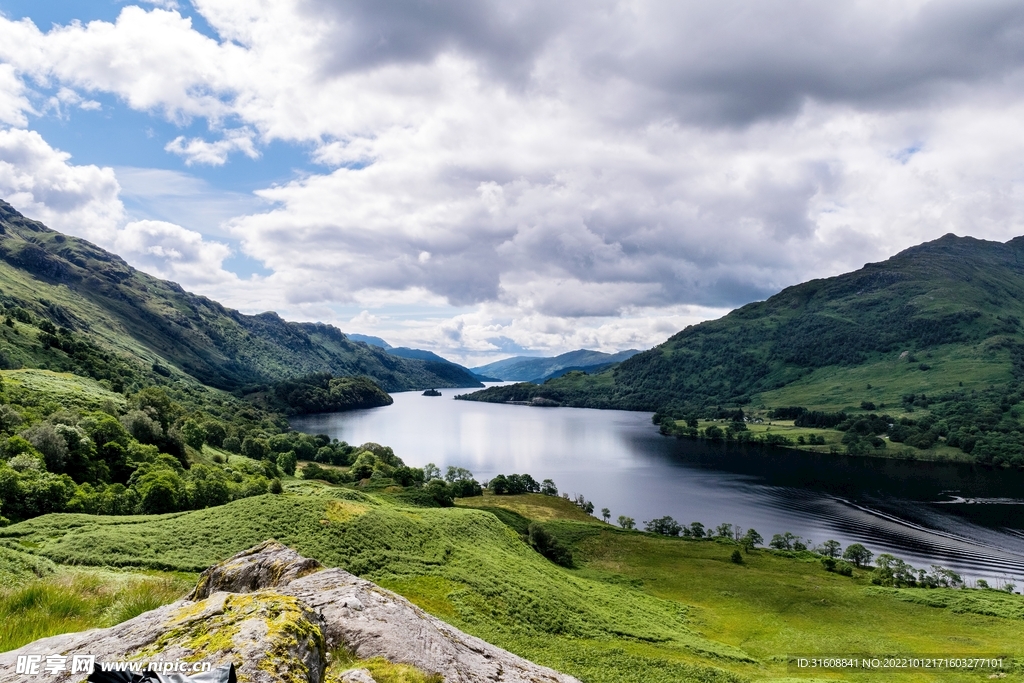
<point>935,329</point>
<point>115,322</point>
<point>925,320</point>
<point>635,607</point>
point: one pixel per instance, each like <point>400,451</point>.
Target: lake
<point>970,519</point>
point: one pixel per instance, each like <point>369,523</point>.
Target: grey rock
<point>357,676</point>
<point>271,612</point>
<point>267,564</point>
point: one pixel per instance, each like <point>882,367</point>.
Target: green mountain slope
<point>109,307</point>
<point>959,299</point>
<point>942,316</point>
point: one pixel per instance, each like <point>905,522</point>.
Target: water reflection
<point>968,518</point>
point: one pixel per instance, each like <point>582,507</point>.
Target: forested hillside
<point>99,306</point>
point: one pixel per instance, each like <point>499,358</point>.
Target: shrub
<point>286,462</point>
<point>548,546</point>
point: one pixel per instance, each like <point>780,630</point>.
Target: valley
<point>149,433</point>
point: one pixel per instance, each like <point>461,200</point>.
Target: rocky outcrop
<point>267,565</point>
<point>276,615</point>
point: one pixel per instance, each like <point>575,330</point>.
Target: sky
<point>485,178</point>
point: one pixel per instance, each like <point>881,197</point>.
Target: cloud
<point>555,174</point>
<point>39,182</point>
<point>199,151</point>
<point>182,198</point>
<point>174,253</point>
<point>14,103</point>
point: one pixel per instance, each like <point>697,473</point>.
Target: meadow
<point>634,607</point>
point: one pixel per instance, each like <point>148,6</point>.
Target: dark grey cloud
<point>734,62</point>
<point>506,36</point>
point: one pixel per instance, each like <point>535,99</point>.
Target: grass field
<point>39,387</point>
<point>74,599</point>
<point>636,607</point>
<point>833,441</point>
<point>883,380</point>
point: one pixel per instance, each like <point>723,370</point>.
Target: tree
<point>432,471</point>
<point>892,571</point>
<point>666,526</point>
<point>606,514</point>
<point>406,476</point>
<point>736,557</point>
<point>156,402</point>
<point>9,418</point>
<point>627,522</point>
<point>548,488</point>
<point>831,548</point>
<point>160,490</point>
<point>286,462</point>
<point>455,474</point>
<point>466,488</point>
<point>256,449</point>
<point>206,486</point>
<point>697,530</point>
<point>364,465</point>
<point>440,492</point>
<point>858,554</point>
<point>142,427</point>
<point>215,433</point>
<point>194,434</point>
<point>723,531</point>
<point>499,484</point>
<point>46,440</point>
<point>782,541</point>
<point>751,539</point>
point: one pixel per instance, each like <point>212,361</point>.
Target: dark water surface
<point>967,518</point>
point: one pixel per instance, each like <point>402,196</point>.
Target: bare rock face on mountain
<point>276,615</point>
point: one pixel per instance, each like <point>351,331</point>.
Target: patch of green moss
<point>381,669</point>
<point>211,634</point>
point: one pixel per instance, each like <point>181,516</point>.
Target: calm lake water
<point>970,519</point>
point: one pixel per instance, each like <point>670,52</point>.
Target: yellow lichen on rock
<point>268,636</point>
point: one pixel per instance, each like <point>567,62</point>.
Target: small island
<point>431,392</point>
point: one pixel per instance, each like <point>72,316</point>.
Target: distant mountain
<point>108,318</point>
<point>367,339</point>
<point>938,319</point>
<point>430,356</point>
<point>531,368</point>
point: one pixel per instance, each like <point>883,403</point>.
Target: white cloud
<point>199,151</point>
<point>14,103</point>
<point>170,251</point>
<point>39,182</point>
